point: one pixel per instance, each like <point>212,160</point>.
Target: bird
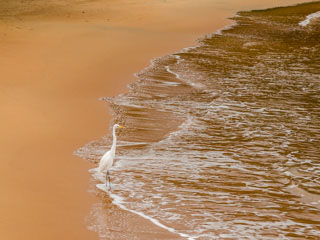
<point>106,161</point>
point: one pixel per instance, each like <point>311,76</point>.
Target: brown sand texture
<point>56,59</point>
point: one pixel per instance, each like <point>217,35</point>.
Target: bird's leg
<point>108,179</point>
<point>107,173</point>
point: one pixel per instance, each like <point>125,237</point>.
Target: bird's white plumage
<point>106,161</point>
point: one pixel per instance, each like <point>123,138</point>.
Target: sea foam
<point>309,18</point>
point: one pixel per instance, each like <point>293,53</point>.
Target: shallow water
<point>223,139</point>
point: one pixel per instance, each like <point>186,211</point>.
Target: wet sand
<point>56,61</point>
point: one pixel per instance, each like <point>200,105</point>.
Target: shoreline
<point>219,32</point>
<point>50,109</point>
<point>233,23</point>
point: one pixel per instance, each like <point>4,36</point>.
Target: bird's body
<point>106,161</point>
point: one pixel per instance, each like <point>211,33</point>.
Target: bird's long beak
<point>121,126</point>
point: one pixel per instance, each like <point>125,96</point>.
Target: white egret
<point>106,161</point>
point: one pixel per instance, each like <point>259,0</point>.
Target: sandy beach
<point>56,60</point>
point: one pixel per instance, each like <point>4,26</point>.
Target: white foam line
<point>308,19</point>
<point>189,48</point>
<point>179,60</point>
<point>176,74</point>
<point>117,200</point>
<point>185,50</point>
<point>228,27</point>
<point>195,85</point>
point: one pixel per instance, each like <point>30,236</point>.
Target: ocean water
<point>222,140</point>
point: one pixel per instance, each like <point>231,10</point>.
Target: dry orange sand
<point>56,60</point>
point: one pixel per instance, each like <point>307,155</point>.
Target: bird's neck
<point>114,142</point>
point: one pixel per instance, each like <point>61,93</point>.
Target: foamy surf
<point>227,166</point>
<point>308,19</point>
<point>119,201</point>
<point>226,28</point>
